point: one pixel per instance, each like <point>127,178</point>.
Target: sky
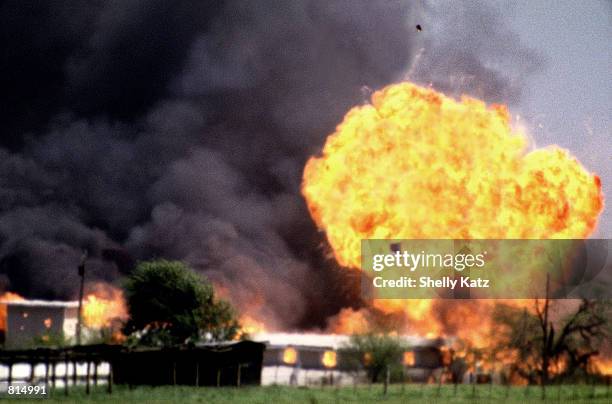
<point>569,101</point>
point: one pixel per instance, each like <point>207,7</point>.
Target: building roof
<point>333,341</point>
<point>40,303</point>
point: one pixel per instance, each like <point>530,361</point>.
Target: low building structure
<point>291,357</point>
<point>31,320</point>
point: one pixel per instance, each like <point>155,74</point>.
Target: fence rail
<point>57,363</point>
<point>223,364</point>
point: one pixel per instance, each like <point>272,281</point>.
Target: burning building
<point>22,320</point>
<point>317,355</point>
<point>28,320</point>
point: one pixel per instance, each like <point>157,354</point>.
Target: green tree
<point>170,304</point>
<point>377,354</point>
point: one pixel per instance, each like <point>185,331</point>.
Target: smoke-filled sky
<point>180,129</point>
<point>570,102</point>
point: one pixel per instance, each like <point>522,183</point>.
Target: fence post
<point>53,373</point>
<point>66,363</point>
<point>527,390</point>
<point>474,386</point>
<point>32,366</point>
<point>110,378</point>
<point>387,378</point>
<point>87,378</point>
<point>47,371</point>
<point>197,374</point>
<point>238,375</point>
<point>74,373</point>
<point>218,377</point>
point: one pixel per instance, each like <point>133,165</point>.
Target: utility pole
<point>548,339</point>
<point>81,291</point>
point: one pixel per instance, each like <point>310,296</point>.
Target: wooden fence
<point>232,363</point>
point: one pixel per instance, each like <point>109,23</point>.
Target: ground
<point>362,394</point>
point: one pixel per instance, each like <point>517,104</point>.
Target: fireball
<point>416,164</point>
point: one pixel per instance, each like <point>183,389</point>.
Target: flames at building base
<point>103,308</point>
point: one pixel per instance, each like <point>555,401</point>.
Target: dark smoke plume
<point>180,129</point>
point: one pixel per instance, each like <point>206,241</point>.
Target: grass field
<point>363,394</point>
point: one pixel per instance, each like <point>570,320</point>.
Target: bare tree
<point>536,343</point>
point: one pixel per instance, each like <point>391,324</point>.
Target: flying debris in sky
<point>418,28</point>
<point>366,94</point>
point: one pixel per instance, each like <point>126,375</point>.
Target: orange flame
<point>290,356</point>
<point>417,164</point>
<point>250,326</point>
<point>348,321</point>
<point>603,365</point>
<point>7,297</point>
<point>447,356</point>
<point>329,359</point>
<point>408,359</point>
<point>103,306</point>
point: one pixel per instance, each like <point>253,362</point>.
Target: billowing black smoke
<point>180,129</point>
